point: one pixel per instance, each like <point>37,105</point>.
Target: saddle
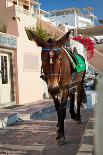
<point>77,61</point>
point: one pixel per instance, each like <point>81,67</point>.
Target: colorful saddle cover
<point>77,61</point>
<point>80,65</point>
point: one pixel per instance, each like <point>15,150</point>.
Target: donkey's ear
<point>37,39</point>
<point>62,40</point>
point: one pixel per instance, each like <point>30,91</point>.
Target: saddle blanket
<point>77,60</point>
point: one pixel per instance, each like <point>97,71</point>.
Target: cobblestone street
<point>37,137</point>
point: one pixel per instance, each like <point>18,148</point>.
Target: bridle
<point>51,55</point>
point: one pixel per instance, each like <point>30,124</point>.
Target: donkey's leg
<point>80,96</point>
<point>72,112</point>
<point>80,93</point>
<point>78,116</point>
<point>57,105</point>
<point>62,114</point>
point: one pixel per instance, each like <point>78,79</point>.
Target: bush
<point>40,32</point>
<point>3,28</point>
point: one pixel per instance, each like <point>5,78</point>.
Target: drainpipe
<point>39,8</point>
<point>17,2</point>
<point>6,3</point>
<point>29,6</point>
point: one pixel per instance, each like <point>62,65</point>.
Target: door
<point>4,78</point>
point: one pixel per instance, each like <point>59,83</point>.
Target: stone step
<point>8,119</point>
<point>32,111</point>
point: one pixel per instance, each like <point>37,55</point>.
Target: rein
<point>69,86</point>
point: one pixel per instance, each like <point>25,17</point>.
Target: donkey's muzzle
<point>54,90</point>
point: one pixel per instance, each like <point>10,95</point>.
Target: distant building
<point>73,17</point>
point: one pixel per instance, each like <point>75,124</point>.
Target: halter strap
<point>48,49</point>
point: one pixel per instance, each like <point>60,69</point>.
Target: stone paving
<point>37,137</point>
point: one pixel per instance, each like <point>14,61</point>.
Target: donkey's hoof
<point>73,116</point>
<point>61,141</point>
<point>57,137</point>
<point>77,118</point>
<point>58,125</point>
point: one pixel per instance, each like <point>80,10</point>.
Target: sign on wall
<point>31,62</point>
<point>8,41</point>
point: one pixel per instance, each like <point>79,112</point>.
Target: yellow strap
<point>69,57</point>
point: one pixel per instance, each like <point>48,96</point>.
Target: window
<point>14,3</point>
<point>26,7</point>
<point>4,69</point>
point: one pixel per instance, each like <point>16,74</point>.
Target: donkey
<point>58,74</point>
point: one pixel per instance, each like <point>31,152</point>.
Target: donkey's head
<point>52,60</point>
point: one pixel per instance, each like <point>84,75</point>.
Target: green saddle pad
<point>80,65</point>
<point>77,61</point>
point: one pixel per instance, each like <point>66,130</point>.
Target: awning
<point>66,11</point>
<point>34,2</point>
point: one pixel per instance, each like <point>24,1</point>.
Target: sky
<point>64,4</point>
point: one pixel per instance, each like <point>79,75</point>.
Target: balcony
<point>24,2</point>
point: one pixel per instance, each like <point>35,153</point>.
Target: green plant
<point>3,28</point>
<point>40,32</point>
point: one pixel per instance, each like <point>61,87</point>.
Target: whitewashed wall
<point>29,86</point>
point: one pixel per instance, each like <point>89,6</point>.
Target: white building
<point>73,17</point>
